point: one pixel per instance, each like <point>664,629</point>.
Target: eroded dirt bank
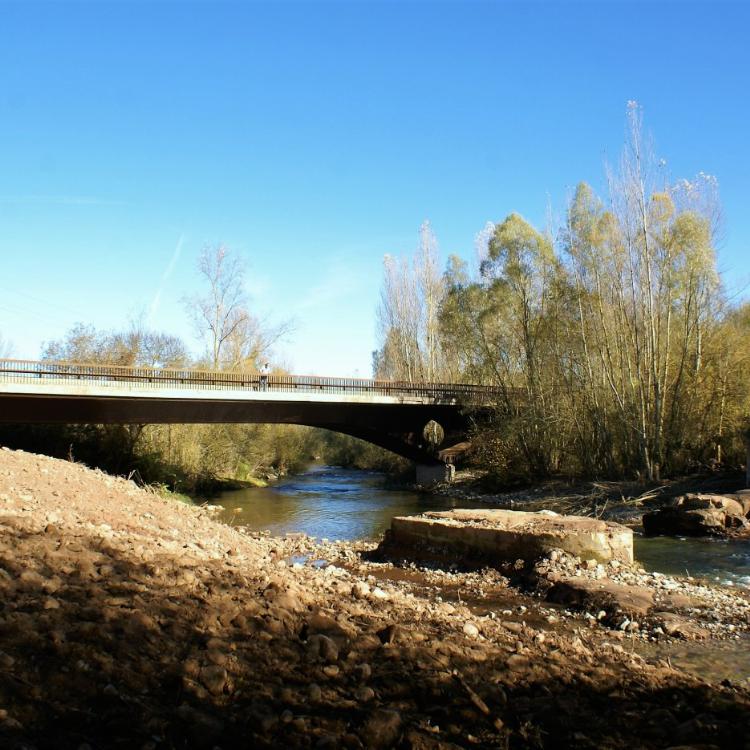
<point>131,621</point>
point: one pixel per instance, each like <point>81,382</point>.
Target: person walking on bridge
<point>264,373</point>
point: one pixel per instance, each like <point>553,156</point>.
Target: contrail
<point>165,277</point>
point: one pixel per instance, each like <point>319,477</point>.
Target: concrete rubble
<point>511,535</point>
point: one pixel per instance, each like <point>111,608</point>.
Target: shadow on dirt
<point>101,650</point>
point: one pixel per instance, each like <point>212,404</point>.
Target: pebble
<point>364,694</point>
<point>323,647</point>
<point>470,629</point>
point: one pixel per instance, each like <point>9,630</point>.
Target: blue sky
<point>315,137</point>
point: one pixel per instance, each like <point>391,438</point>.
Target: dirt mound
<point>133,621</point>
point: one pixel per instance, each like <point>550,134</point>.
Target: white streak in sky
<point>165,277</point>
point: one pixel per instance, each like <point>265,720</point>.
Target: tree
<point>136,346</point>
<point>6,348</point>
<point>431,289</point>
<point>408,315</point>
<point>220,312</point>
<point>235,339</point>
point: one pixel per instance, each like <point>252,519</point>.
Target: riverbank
<point>622,501</point>
<point>131,620</point>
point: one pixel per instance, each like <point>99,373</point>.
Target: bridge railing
<point>30,371</point>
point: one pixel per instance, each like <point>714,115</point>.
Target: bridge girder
<point>397,427</point>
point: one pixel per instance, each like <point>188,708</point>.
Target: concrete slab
<point>513,535</point>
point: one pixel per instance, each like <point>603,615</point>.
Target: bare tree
<point>411,295</point>
<point>431,288</point>
<point>6,348</point>
<point>221,311</point>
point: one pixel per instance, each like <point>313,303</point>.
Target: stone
<point>364,694</point>
<point>675,521</point>
<point>696,514</point>
<point>513,535</point>
<point>214,678</point>
<point>470,629</point>
<point>382,729</point>
<point>696,501</point>
<point>517,662</point>
<point>322,647</point>
<point>390,634</point>
<point>594,595</point>
<point>363,672</point>
<point>680,627</point>
<point>360,590</point>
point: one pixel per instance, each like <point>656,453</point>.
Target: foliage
<point>612,344</point>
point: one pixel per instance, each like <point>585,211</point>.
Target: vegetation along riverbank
<point>130,620</point>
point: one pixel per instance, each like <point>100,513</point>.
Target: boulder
<point>592,596</point>
<point>680,627</point>
<point>512,535</point>
<point>695,501</point>
<point>678,522</point>
<point>696,514</point>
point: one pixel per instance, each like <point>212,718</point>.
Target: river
<point>329,502</point>
<point>333,503</point>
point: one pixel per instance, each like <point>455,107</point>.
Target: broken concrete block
<point>513,535</point>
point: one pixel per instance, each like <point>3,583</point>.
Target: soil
<point>130,620</point>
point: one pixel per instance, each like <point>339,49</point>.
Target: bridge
<point>397,416</point>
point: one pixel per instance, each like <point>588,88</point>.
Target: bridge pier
<point>433,473</point>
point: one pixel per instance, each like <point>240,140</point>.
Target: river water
<point>332,503</point>
<point>328,502</point>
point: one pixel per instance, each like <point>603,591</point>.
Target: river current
<point>329,502</point>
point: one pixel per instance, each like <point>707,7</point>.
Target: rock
<point>314,693</point>
<point>364,694</point>
<point>322,647</point>
<point>678,522</point>
<point>360,590</point>
<point>470,629</point>
<point>695,501</point>
<point>594,595</point>
<point>320,623</point>
<point>517,662</point>
<point>392,634</point>
<point>697,515</point>
<point>363,672</point>
<point>214,678</point>
<point>513,535</point>
<point>381,730</point>
<point>680,627</point>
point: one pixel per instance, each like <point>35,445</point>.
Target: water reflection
<point>725,561</point>
<point>334,503</point>
<point>329,502</point>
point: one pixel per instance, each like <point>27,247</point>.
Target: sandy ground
<point>133,621</point>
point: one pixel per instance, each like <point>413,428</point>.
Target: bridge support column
<point>433,473</point>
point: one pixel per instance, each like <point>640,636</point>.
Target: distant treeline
<point>611,337</point>
<point>191,458</point>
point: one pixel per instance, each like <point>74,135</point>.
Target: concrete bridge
<point>398,416</point>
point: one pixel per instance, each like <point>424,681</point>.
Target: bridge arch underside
<point>397,427</point>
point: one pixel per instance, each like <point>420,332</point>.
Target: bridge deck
<point>63,378</point>
<point>390,414</point>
